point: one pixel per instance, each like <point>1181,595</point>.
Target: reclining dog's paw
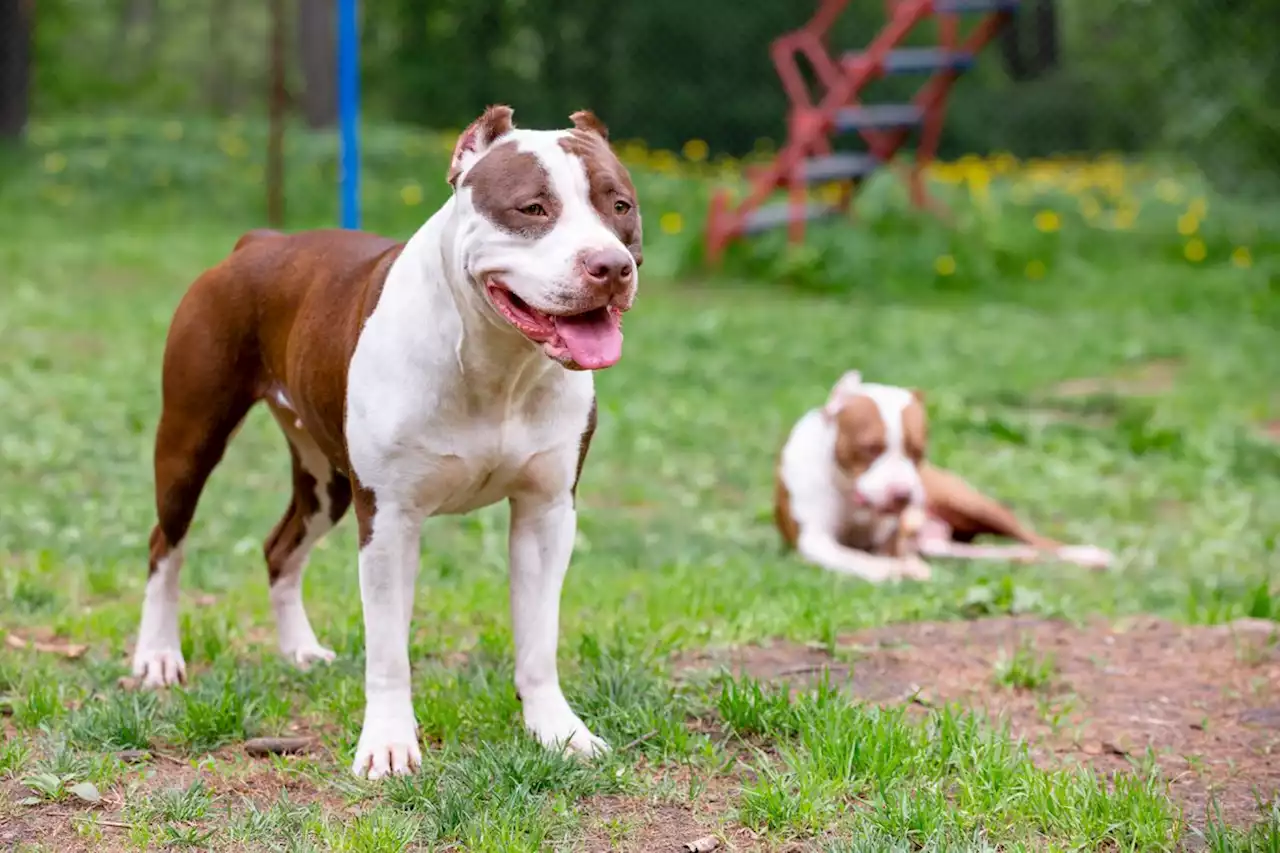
<point>915,568</point>
<point>1089,556</point>
<point>304,656</point>
<point>160,667</point>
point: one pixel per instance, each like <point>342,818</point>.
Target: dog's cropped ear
<point>918,395</point>
<point>477,138</point>
<point>845,387</point>
<point>588,121</point>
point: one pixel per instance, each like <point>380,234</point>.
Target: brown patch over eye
<point>609,186</point>
<point>507,176</point>
<point>860,435</point>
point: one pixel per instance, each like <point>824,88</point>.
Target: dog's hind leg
<point>321,497</point>
<point>197,421</point>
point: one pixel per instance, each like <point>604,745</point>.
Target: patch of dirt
<point>648,825</point>
<point>1206,700</point>
<point>1150,378</point>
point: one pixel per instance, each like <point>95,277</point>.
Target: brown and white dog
<point>855,495</point>
<point>412,379</point>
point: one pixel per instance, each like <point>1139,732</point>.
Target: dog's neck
<point>487,358</point>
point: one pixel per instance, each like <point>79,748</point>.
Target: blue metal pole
<point>349,112</point>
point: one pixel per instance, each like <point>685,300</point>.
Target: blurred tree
<point>15,66</point>
<point>317,51</point>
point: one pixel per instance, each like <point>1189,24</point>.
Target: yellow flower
<point>55,162</point>
<point>945,265</point>
<point>1168,190</point>
<point>830,193</point>
<point>1047,221</point>
<point>695,150</point>
<point>663,161</point>
<point>1089,208</point>
<point>1036,270</point>
<point>411,194</point>
<point>1199,208</point>
<point>671,223</point>
<point>233,146</point>
<point>1124,217</point>
<point>1188,224</point>
<point>172,130</point>
<point>1241,257</point>
<point>1195,250</point>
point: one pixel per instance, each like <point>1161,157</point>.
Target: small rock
<point>1113,748</point>
<point>261,746</point>
<point>702,845</point>
<point>133,756</point>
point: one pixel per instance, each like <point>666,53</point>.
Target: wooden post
<point>277,102</point>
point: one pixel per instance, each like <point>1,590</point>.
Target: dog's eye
<point>533,210</point>
<point>621,208</point>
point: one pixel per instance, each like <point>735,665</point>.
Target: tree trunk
<point>15,66</point>
<point>318,51</point>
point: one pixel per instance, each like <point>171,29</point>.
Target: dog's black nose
<point>608,268</point>
<point>897,497</point>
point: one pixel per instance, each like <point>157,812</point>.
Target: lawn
<point>1113,382</point>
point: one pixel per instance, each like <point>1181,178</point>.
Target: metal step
<point>775,215</point>
<point>879,115</point>
<point>838,167</point>
<point>960,7</point>
<point>920,60</point>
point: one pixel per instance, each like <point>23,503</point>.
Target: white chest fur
<point>446,412</point>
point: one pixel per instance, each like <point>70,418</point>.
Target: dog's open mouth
<point>591,340</point>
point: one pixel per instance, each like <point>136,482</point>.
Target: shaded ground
<point>1204,700</point>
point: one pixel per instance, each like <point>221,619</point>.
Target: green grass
<point>676,550</point>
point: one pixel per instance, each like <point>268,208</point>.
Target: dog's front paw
<point>159,667</point>
<point>554,724</point>
<point>388,742</point>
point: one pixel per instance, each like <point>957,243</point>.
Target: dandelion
<point>172,130</point>
<point>1089,208</point>
<point>944,265</point>
<point>695,150</point>
<point>1036,270</point>
<point>411,194</point>
<point>1199,208</point>
<point>1047,221</point>
<point>830,193</point>
<point>1188,224</point>
<point>1124,218</point>
<point>1241,257</point>
<point>1168,190</point>
<point>55,162</point>
<point>1195,250</point>
<point>671,223</point>
<point>664,161</point>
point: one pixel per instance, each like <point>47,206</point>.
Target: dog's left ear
<point>588,121</point>
<point>477,138</point>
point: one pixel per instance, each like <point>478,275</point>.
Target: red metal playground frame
<point>807,158</point>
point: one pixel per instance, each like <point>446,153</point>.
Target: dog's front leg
<point>542,533</point>
<point>388,570</point>
<point>824,550</point>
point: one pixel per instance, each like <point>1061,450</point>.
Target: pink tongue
<point>594,339</point>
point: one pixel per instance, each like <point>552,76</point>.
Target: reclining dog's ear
<point>586,120</point>
<point>477,138</point>
<point>841,391</point>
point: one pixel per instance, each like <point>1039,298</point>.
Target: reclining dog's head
<point>553,238</point>
<point>881,437</point>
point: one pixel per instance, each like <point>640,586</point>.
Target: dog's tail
<point>254,236</point>
<point>970,513</point>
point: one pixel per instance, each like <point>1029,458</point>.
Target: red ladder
<point>807,158</point>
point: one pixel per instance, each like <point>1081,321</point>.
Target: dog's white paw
<point>1089,556</point>
<point>554,724</point>
<point>303,656</point>
<point>915,568</point>
<point>159,667</point>
<point>388,744</point>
